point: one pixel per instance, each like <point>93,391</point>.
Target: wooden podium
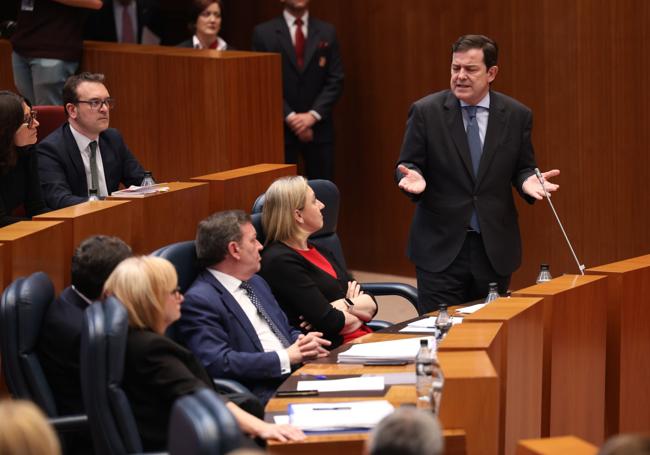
<point>163,218</point>
<point>189,112</point>
<point>93,218</point>
<point>519,365</point>
<point>573,391</point>
<point>628,345</point>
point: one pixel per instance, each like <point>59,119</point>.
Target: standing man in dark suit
<point>124,21</point>
<point>84,153</point>
<point>230,320</point>
<point>312,82</point>
<point>463,149</point>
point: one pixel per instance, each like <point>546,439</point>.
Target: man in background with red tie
<point>312,82</point>
<point>125,21</point>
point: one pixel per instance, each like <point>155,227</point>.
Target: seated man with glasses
<point>84,153</point>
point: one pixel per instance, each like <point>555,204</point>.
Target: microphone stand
<point>581,267</point>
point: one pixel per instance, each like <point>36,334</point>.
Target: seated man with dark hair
<point>84,153</point>
<point>60,339</point>
<point>230,320</point>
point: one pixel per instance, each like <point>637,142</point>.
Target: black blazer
<point>320,83</point>
<point>435,143</point>
<point>100,25</point>
<point>20,185</point>
<point>157,371</point>
<point>302,289</point>
<point>61,168</point>
<point>58,350</point>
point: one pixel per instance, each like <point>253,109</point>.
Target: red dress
<point>314,256</point>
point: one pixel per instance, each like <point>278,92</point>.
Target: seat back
<point>103,346</point>
<point>22,309</point>
<point>183,256</point>
<point>49,119</point>
<point>326,237</point>
<point>200,424</point>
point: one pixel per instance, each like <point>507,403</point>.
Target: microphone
<point>581,267</point>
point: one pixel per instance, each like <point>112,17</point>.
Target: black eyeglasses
<point>30,118</point>
<point>96,104</point>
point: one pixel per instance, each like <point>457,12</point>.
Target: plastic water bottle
<point>148,179</point>
<point>493,293</point>
<point>443,321</point>
<point>544,274</point>
<point>429,379</point>
<point>92,195</point>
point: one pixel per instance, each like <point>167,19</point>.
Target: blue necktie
<point>475,151</point>
<point>255,300</point>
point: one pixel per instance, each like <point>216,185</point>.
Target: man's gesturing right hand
<point>412,182</point>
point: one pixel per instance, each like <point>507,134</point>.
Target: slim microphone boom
<point>581,267</point>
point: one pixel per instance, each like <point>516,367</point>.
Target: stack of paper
<point>343,385</point>
<point>427,325</point>
<point>141,191</point>
<point>338,416</point>
<point>470,309</point>
<point>404,350</point>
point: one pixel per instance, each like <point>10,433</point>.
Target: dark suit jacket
<point>157,371</point>
<point>100,25</point>
<point>58,350</point>
<point>319,84</point>
<point>20,185</point>
<point>435,142</point>
<point>216,329</point>
<point>303,289</point>
<point>61,168</point>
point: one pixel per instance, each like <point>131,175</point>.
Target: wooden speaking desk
<point>162,218</point>
<point>628,345</point>
<point>470,402</point>
<point>573,387</point>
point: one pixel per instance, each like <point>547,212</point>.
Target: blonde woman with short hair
<point>24,430</point>
<point>157,370</point>
<point>314,290</point>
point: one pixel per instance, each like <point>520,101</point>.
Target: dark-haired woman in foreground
<point>19,182</point>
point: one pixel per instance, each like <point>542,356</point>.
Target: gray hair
<point>407,431</point>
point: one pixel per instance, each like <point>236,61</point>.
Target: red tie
<point>127,27</point>
<point>300,44</point>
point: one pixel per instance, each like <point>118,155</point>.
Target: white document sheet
<point>338,416</point>
<point>470,309</point>
<point>343,385</point>
<point>405,349</point>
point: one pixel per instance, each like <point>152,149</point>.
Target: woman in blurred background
<point>20,187</point>
<point>205,24</point>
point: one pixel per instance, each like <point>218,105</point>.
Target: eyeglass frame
<point>96,104</point>
<point>176,292</point>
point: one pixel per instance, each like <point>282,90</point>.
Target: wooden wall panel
<point>578,64</point>
<point>185,112</point>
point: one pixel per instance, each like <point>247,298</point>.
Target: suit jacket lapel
<point>454,118</point>
<point>493,134</point>
<point>232,306</point>
<point>284,36</point>
<point>72,149</point>
<point>313,37</point>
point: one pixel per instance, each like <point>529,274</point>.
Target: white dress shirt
<point>83,144</point>
<point>221,44</point>
<point>269,341</point>
<point>482,115</point>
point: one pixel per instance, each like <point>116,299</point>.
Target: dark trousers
<point>466,279</point>
<point>318,159</point>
